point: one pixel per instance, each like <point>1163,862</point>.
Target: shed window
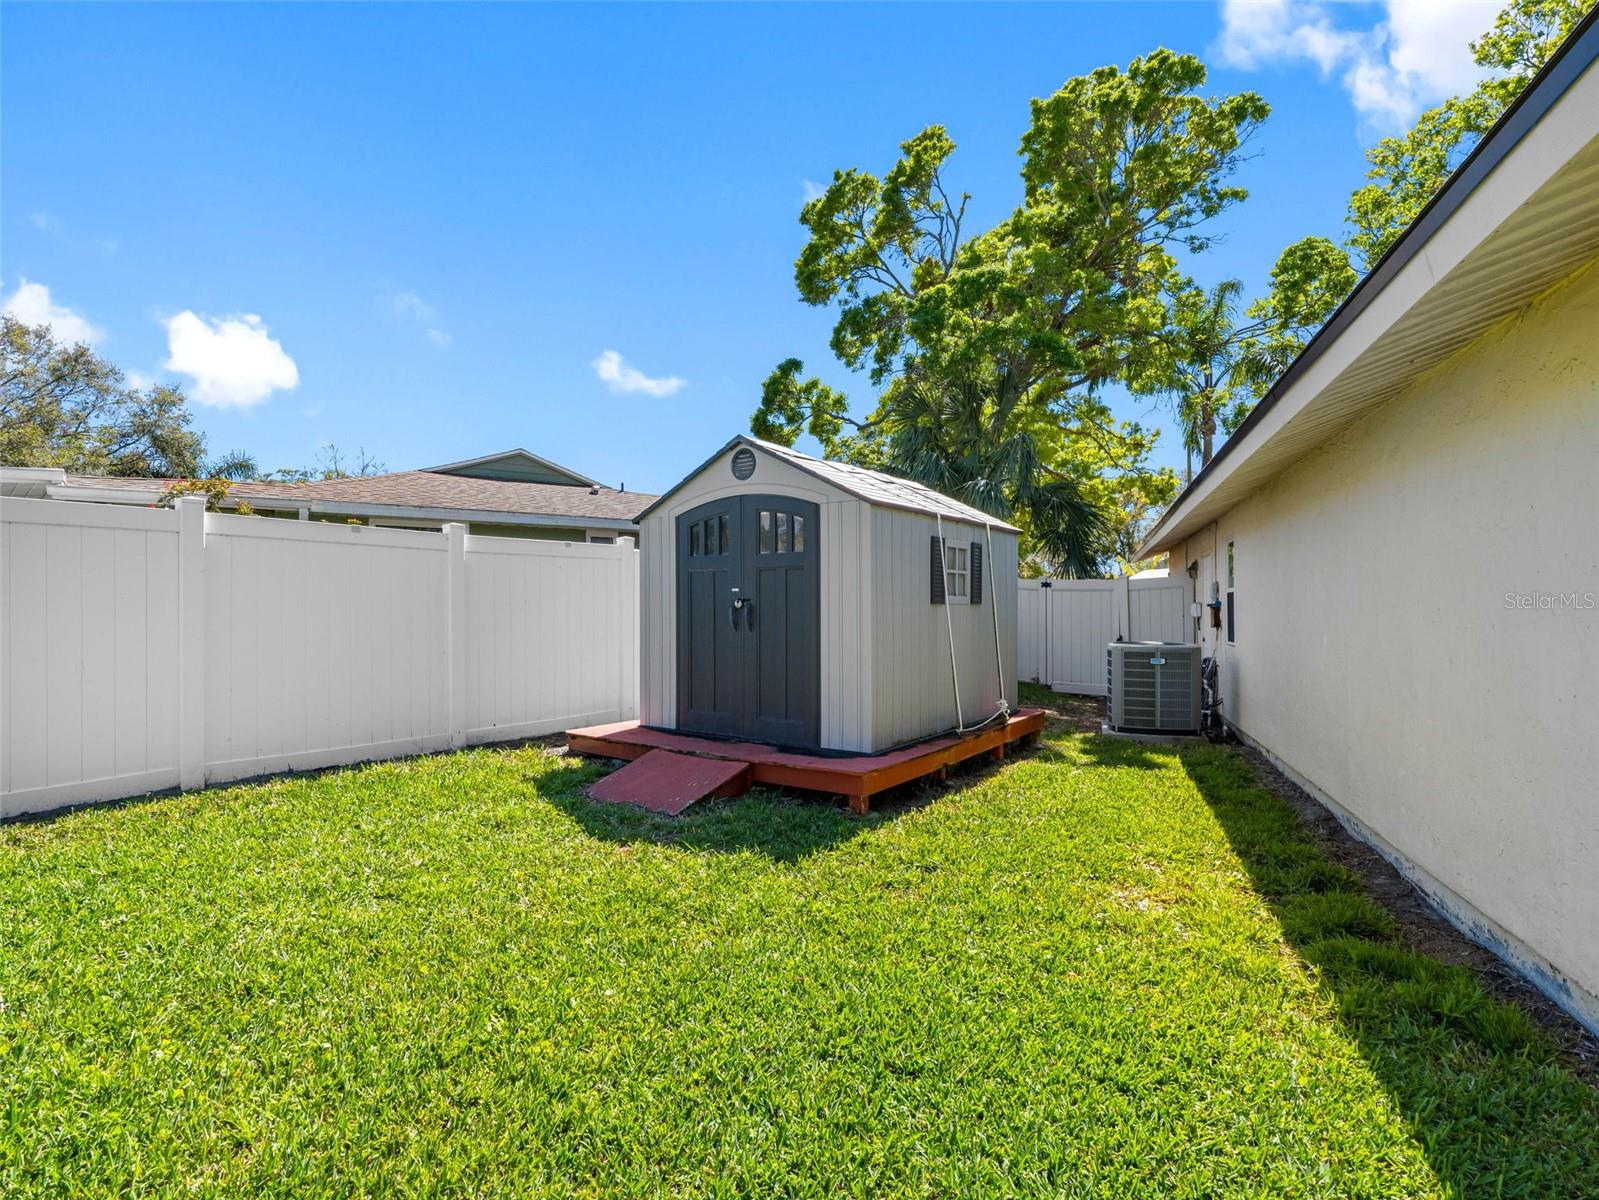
<point>957,574</point>
<point>781,533</point>
<point>694,544</point>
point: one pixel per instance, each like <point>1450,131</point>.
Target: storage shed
<point>821,606</point>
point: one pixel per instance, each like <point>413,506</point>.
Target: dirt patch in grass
<point>1081,714</point>
<point>1419,924</point>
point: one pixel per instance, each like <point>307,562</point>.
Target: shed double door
<point>749,621</point>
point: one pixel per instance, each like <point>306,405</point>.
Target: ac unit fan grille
<point>1153,688</point>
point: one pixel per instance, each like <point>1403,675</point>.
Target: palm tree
<point>969,440</point>
<point>1209,364</point>
<point>235,465</point>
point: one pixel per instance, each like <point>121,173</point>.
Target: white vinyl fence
<point>1063,625</point>
<point>155,648</point>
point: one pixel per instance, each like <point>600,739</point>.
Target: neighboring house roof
<point>29,483</point>
<point>515,464</point>
<point>428,495</point>
<point>875,487</point>
<point>422,489</point>
<point>1520,215</point>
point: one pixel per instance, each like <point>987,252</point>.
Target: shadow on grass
<point>784,824</point>
<point>1482,1089</point>
<point>785,827</point>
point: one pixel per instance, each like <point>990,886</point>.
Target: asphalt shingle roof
<point>427,489</point>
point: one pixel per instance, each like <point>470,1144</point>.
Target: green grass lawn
<point>1102,970</point>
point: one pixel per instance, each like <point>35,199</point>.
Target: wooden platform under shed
<point>859,777</point>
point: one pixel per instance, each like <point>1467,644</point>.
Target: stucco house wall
<point>1397,648</point>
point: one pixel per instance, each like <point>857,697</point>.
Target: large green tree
<point>65,406</point>
<point>1020,327</point>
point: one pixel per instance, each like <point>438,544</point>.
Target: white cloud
<point>31,304</point>
<point>410,306</point>
<point>1430,41</point>
<point>620,377</point>
<point>232,361</point>
<point>814,190</point>
<point>1416,56</point>
<point>138,380</point>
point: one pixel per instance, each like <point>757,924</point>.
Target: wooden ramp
<point>858,777</point>
<point>664,782</point>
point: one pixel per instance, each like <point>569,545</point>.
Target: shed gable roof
<point>874,487</point>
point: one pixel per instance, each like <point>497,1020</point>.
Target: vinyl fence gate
<point>1063,625</point>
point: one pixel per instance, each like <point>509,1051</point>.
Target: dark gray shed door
<point>749,621</point>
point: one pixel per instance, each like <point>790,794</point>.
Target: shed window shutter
<point>936,571</point>
<point>975,588</point>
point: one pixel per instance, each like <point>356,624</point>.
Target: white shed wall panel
<point>1457,728</point>
<point>309,644</point>
<point>847,625</point>
<point>913,693</point>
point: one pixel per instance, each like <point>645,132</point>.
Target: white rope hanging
<point>949,622</point>
<point>1003,707</point>
<point>999,658</point>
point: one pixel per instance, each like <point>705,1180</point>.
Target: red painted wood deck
<point>859,777</point>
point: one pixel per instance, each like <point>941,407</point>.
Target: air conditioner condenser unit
<point>1153,687</point>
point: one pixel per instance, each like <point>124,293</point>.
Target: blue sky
<point>420,229</point>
